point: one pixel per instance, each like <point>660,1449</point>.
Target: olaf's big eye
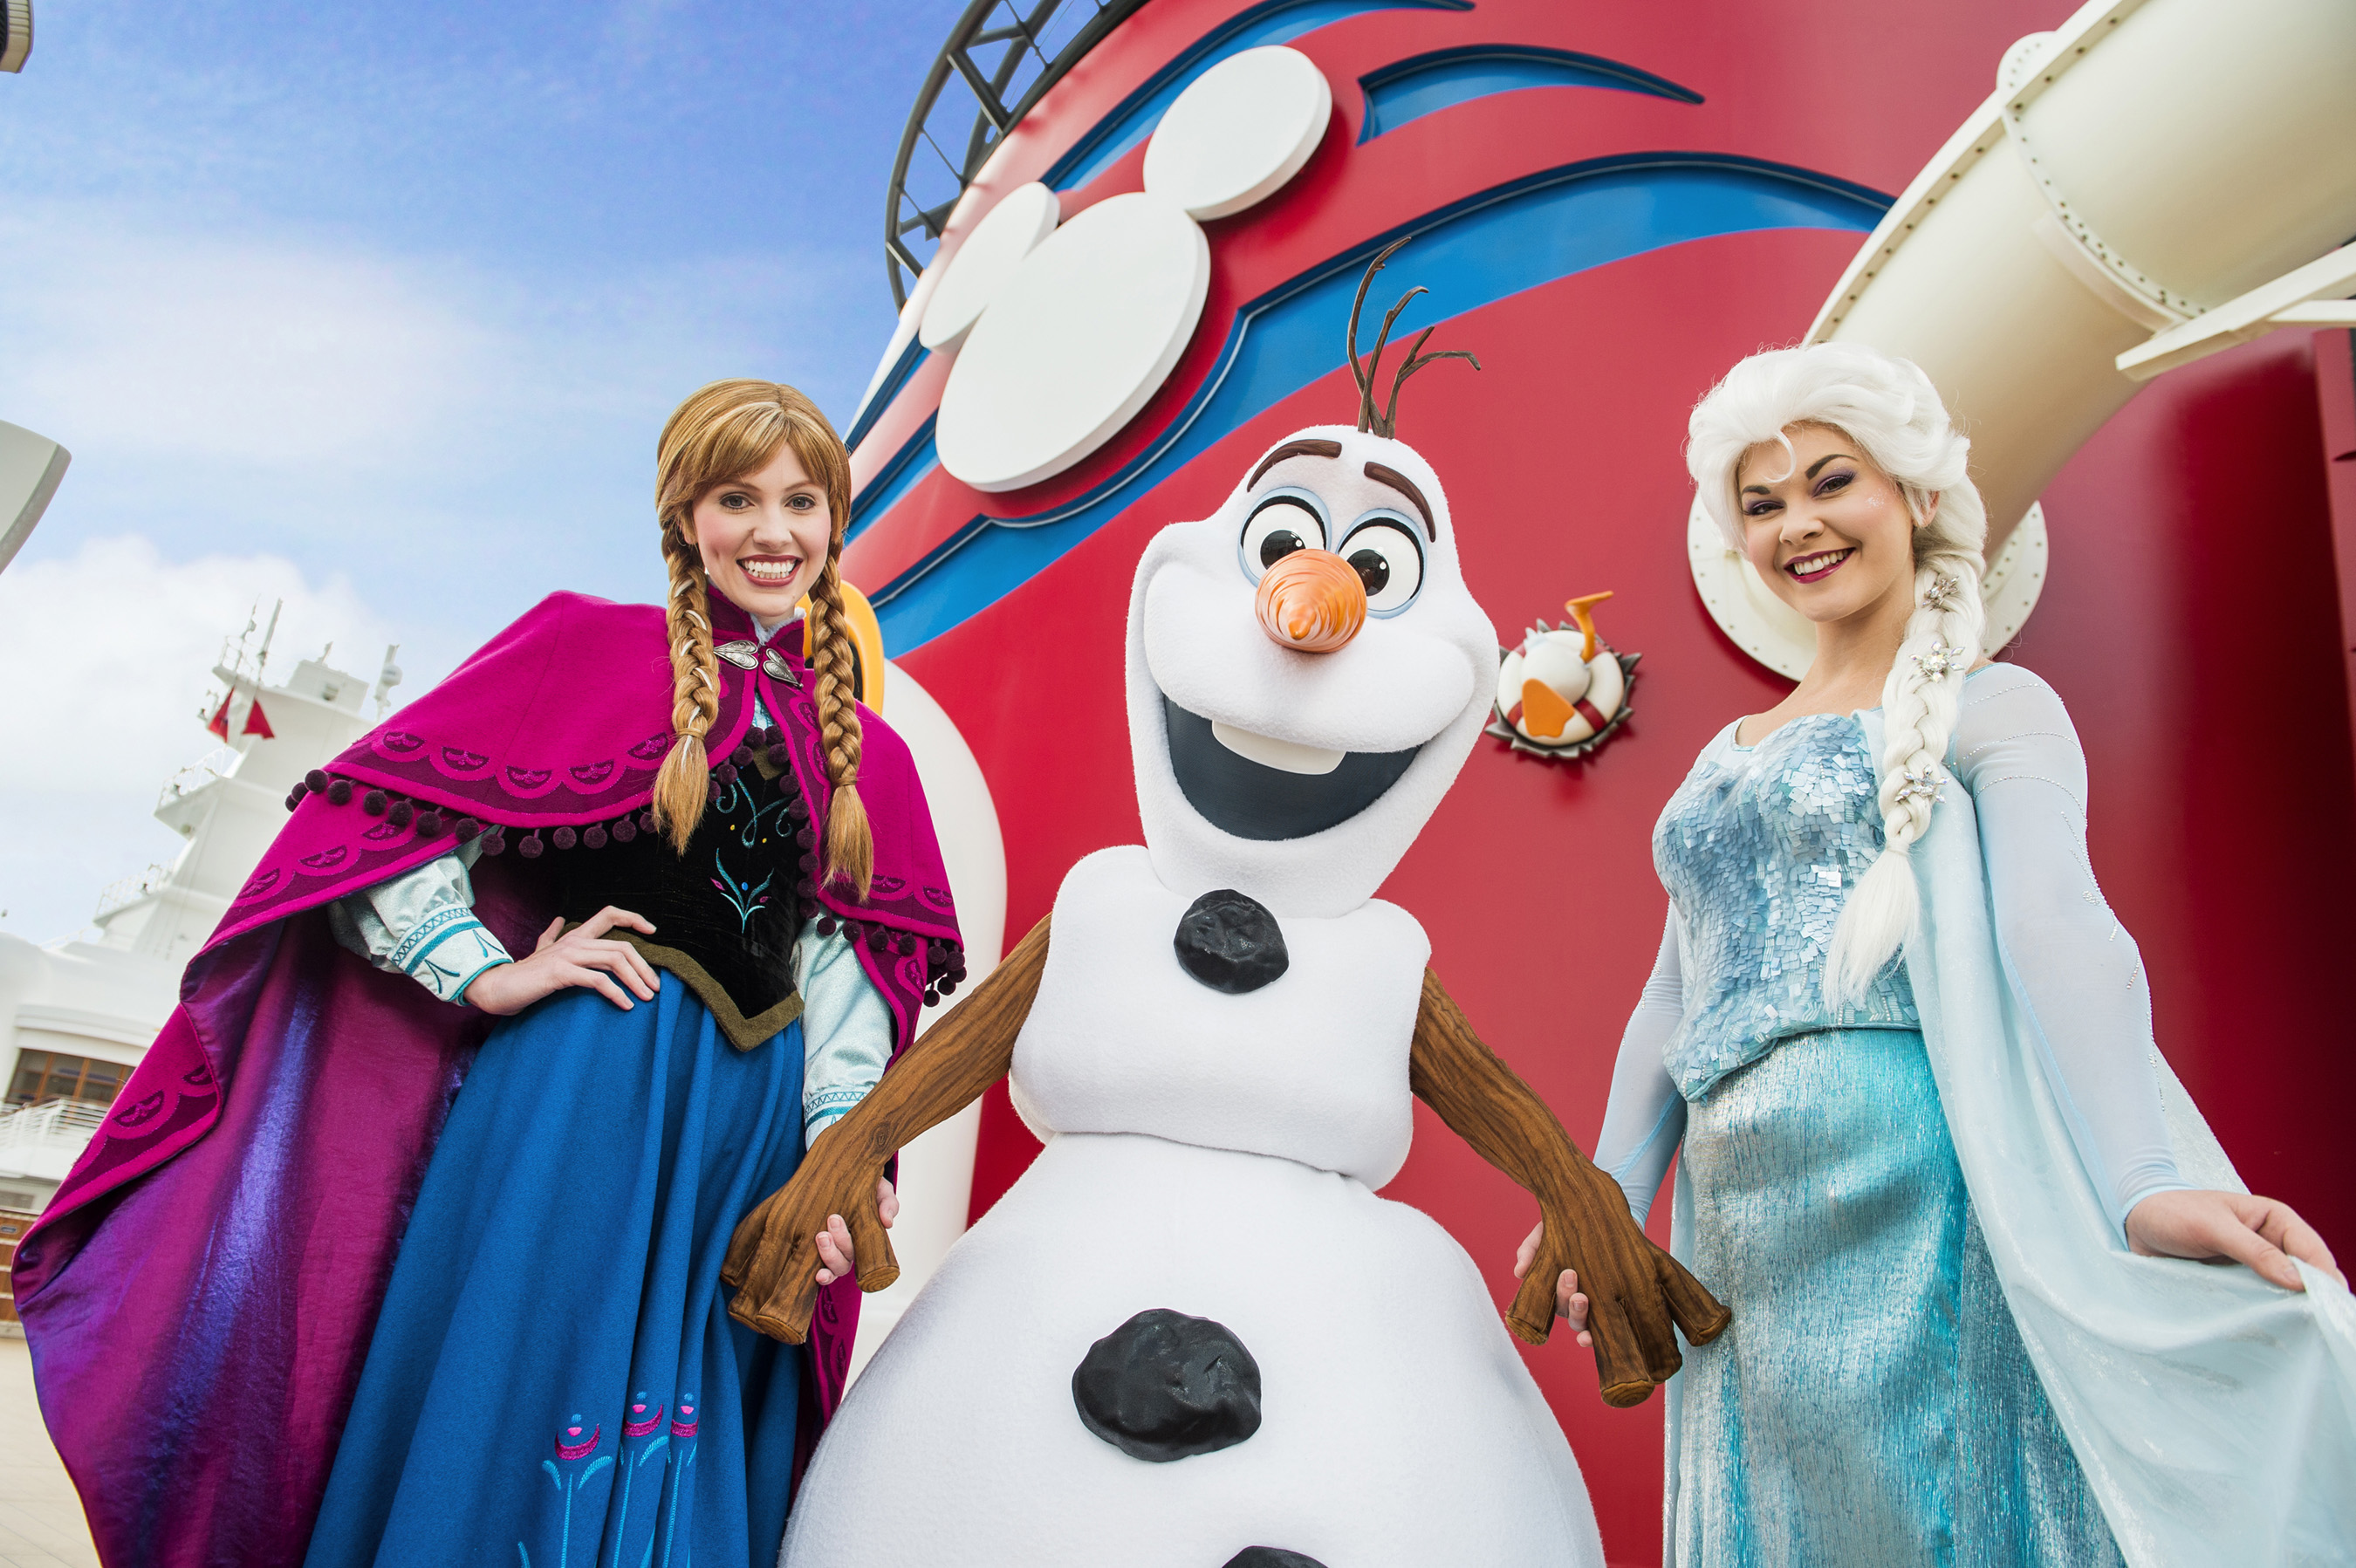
<point>1277,527</point>
<point>1388,559</point>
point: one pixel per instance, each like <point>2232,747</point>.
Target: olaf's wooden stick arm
<point>773,1257</point>
<point>1634,1290</point>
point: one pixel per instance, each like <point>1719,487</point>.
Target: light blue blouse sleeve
<point>846,1029</point>
<point>421,924</point>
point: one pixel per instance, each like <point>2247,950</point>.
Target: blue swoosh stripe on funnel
<point>1133,119</point>
<point>1408,90</point>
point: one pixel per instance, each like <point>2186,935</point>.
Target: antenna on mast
<point>263,662</point>
<point>251,619</point>
<point>387,679</point>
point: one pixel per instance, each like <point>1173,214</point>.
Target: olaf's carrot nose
<point>1311,600</point>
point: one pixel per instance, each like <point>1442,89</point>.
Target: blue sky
<point>380,308</point>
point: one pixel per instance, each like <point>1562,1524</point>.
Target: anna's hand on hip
<point>583,956</point>
<point>2229,1227</point>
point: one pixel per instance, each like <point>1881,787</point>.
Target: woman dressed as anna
<point>403,1244</point>
<point>1900,1051</point>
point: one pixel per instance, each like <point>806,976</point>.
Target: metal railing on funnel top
<point>999,59</point>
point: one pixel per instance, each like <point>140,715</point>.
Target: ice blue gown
<point>554,1380</point>
<point>1872,1404</point>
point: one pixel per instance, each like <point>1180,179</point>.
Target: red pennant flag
<point>219,726</point>
<point>256,723</point>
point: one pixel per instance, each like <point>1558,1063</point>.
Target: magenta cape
<point>200,1294</point>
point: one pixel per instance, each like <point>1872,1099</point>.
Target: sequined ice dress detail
<point>1873,1404</point>
<point>1758,848</point>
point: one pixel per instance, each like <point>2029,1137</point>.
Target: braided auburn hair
<point>724,432</point>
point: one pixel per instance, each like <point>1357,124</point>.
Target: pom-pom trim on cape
<point>333,1078</point>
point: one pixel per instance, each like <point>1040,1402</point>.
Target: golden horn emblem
<point>1311,600</point>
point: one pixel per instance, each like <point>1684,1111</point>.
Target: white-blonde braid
<point>1888,407</point>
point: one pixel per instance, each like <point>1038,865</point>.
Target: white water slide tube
<point>30,468</point>
<point>2152,182</point>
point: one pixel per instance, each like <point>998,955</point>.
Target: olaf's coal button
<point>1165,1386</point>
<point>1230,942</point>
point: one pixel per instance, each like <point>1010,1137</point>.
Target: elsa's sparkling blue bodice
<point>1758,848</point>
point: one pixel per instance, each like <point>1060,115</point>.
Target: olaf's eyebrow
<point>1308,448</point>
<point>1405,486</point>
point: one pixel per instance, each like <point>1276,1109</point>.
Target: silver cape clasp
<point>746,654</point>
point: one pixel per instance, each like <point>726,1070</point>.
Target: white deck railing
<point>122,893</point>
<point>44,1140</point>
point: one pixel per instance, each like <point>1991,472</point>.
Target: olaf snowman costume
<point>1191,1335</point>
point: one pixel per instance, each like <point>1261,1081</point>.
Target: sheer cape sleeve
<point>1646,1116</point>
<point>2078,971</point>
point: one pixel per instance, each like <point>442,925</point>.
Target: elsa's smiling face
<point>1831,533</point>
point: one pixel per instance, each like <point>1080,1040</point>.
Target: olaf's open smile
<point>1257,787</point>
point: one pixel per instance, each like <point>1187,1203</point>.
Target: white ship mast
<point>232,802</point>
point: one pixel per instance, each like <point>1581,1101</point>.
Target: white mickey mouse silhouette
<point>1240,132</point>
<point>1063,334</point>
<point>1007,233</point>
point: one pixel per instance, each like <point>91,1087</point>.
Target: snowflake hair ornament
<point>1941,591</point>
<point>1924,783</point>
<point>1940,662</point>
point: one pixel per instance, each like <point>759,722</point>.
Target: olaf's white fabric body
<point>1217,1154</point>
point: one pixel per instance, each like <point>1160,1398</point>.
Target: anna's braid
<point>684,785</point>
<point>850,843</point>
<point>1918,703</point>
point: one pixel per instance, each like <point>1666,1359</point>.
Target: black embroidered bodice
<point>726,913</point>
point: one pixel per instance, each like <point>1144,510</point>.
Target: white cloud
<point>146,343</point>
<point>257,413</point>
<point>234,385</point>
<point>310,307</point>
<point>105,660</point>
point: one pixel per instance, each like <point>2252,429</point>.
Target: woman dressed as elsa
<point>403,1244</point>
<point>1902,1050</point>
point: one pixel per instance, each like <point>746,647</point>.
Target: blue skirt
<point>1872,1404</point>
<point>554,1380</point>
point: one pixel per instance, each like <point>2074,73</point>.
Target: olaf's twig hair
<point>1384,420</point>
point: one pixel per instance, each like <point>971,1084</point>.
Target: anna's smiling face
<point>1832,536</point>
<point>764,537</point>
